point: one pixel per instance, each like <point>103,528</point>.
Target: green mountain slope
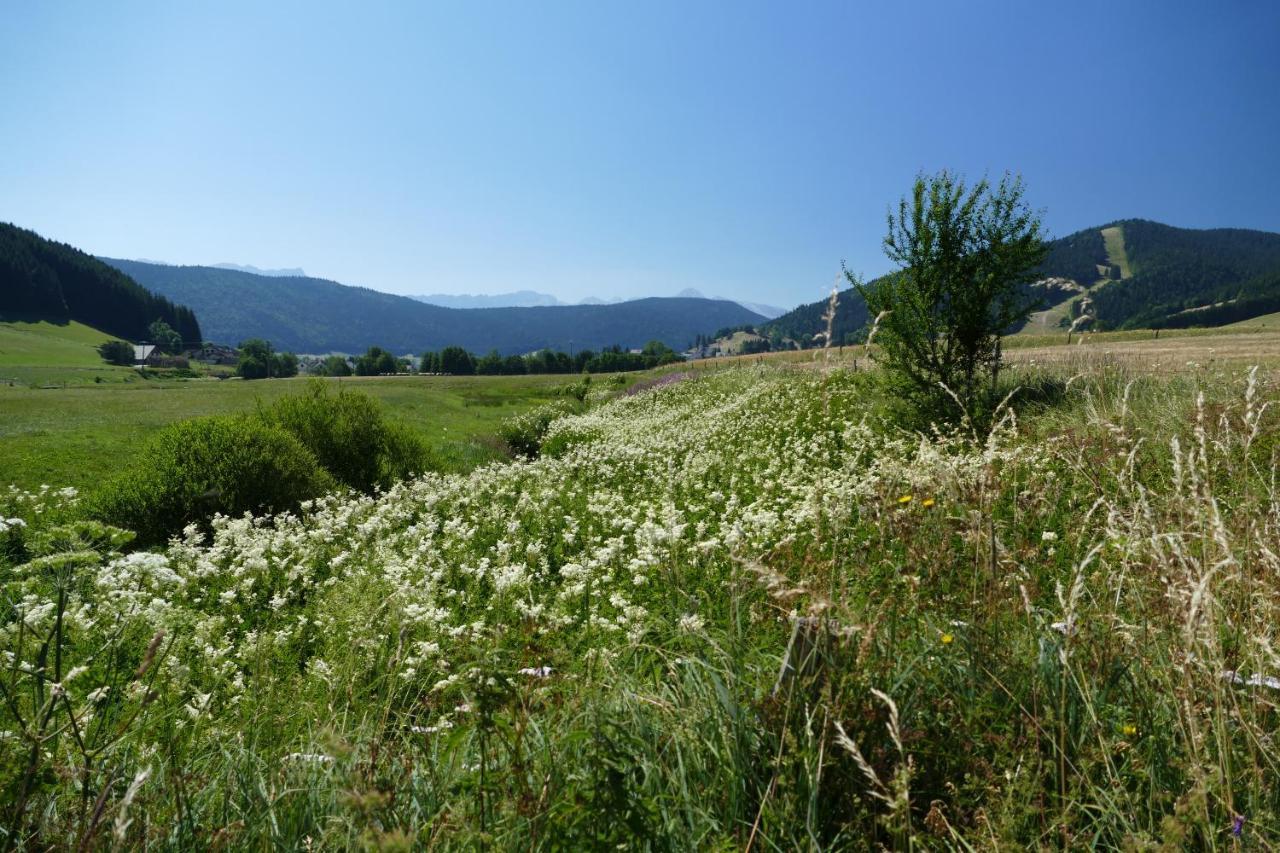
<point>44,280</point>
<point>1128,274</point>
<point>315,316</point>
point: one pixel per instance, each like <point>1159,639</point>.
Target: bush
<point>116,352</point>
<point>524,433</point>
<point>349,436</point>
<point>194,469</point>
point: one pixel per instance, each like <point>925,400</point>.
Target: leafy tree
<point>376,362</point>
<point>116,352</point>
<point>256,357</point>
<point>284,364</point>
<point>965,254</point>
<point>164,337</point>
<point>457,361</point>
<point>334,365</point>
<point>490,364</point>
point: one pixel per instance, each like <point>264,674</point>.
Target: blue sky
<point>616,149</point>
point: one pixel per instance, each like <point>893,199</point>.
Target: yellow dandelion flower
<point>947,639</point>
<point>1129,729</point>
<point>905,499</point>
<point>927,502</point>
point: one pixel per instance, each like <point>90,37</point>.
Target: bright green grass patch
<point>76,436</point>
<point>1113,239</point>
<point>44,353</point>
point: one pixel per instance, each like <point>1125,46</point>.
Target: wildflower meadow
<point>736,609</point>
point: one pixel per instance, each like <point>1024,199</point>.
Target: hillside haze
<point>313,315</point>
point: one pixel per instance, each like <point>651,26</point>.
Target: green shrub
<point>350,437</point>
<point>116,352</point>
<point>193,469</point>
<point>524,433</point>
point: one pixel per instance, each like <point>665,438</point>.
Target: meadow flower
<point>905,499</point>
<point>947,639</point>
<point>536,671</point>
<point>692,622</point>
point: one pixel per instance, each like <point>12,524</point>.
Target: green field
<point>77,435</point>
<point>44,353</point>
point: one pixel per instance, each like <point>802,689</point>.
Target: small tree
<point>256,359</point>
<point>164,337</point>
<point>334,365</point>
<point>375,362</point>
<point>457,361</point>
<point>965,253</point>
<point>284,364</point>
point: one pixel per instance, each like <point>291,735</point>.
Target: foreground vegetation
<point>737,609</point>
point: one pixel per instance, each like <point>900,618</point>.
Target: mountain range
<point>1130,273</point>
<point>532,298</point>
<point>312,315</point>
<point>1127,274</point>
<point>284,273</point>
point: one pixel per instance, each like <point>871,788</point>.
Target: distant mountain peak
<point>293,272</point>
<point>514,299</point>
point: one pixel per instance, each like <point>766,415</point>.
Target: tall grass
<point>738,611</point>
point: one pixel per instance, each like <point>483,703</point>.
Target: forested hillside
<point>1180,277</point>
<point>44,280</point>
<point>316,315</point>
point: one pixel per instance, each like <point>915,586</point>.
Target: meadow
<point>77,435</point>
<point>740,609</point>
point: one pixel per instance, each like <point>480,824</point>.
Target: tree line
<point>43,279</point>
<point>457,361</point>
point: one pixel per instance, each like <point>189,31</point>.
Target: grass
<point>78,435</point>
<point>739,611</point>
<point>1113,239</point>
<point>44,353</point>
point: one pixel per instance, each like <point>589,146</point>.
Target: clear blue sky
<point>616,149</point>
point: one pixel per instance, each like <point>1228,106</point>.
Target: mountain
<point>532,298</point>
<point>284,273</point>
<point>44,280</point>
<point>312,315</point>
<point>1127,274</point>
<point>515,299</point>
<point>768,311</point>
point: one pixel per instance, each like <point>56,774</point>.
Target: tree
<point>164,337</point>
<point>256,356</point>
<point>116,352</point>
<point>964,255</point>
<point>284,364</point>
<point>489,364</point>
<point>457,361</point>
<point>376,362</point>
<point>334,365</point>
